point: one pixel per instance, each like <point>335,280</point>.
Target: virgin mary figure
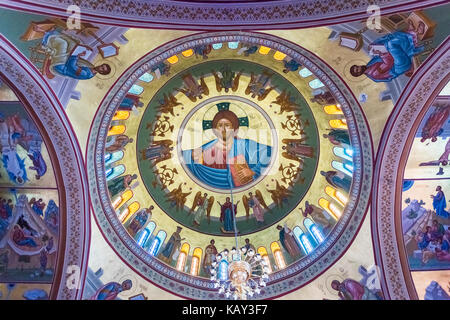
<point>227,162</point>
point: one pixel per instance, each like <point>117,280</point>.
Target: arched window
<point>151,226</point>
<point>146,77</point>
<point>303,240</point>
<point>157,242</point>
<point>114,172</point>
<point>187,53</point>
<point>336,195</point>
<point>314,230</point>
<point>110,158</point>
<point>121,115</point>
<point>195,262</point>
<point>264,50</point>
<point>304,73</point>
<point>338,124</point>
<point>278,55</point>
<point>172,59</point>
<point>182,257</point>
<point>223,270</point>
<point>332,109</point>
<point>331,208</point>
<point>278,255</point>
<point>124,197</point>
<point>342,168</point>
<point>316,84</point>
<point>129,211</point>
<point>115,130</point>
<point>217,46</point>
<point>341,152</point>
<point>136,89</point>
<point>233,44</point>
<point>143,236</point>
<point>265,256</point>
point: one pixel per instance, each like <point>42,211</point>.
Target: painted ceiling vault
<point>143,143</point>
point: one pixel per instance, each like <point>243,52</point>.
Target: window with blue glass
<point>342,168</point>
<point>146,77</point>
<point>110,158</point>
<point>233,44</point>
<point>303,240</point>
<point>305,72</point>
<point>315,84</point>
<point>157,242</point>
<point>217,46</point>
<point>114,172</point>
<point>149,231</point>
<point>343,153</point>
<point>223,270</point>
<point>314,230</point>
<point>136,89</point>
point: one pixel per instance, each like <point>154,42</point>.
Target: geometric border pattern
<point>220,16</point>
<point>281,282</point>
<point>394,149</point>
<point>39,99</point>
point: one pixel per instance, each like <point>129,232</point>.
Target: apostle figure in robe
<point>172,246</point>
<point>350,289</point>
<point>337,179</point>
<point>439,203</point>
<point>39,164</point>
<point>210,256</point>
<point>434,126</point>
<point>287,240</point>
<point>120,184</point>
<point>227,215</point>
<point>338,137</point>
<point>258,211</point>
<point>228,161</point>
<point>393,54</point>
<point>317,214</point>
<point>296,150</point>
<point>291,65</point>
<point>158,151</point>
<point>130,102</point>
<point>117,142</point>
<point>111,290</point>
<point>139,221</point>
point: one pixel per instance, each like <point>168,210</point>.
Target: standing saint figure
<point>111,290</point>
<point>256,203</point>
<point>337,179</point>
<point>119,184</point>
<point>204,207</point>
<point>210,256</point>
<point>117,142</point>
<point>287,240</point>
<point>139,221</point>
<point>158,151</point>
<point>439,203</point>
<point>296,150</point>
<point>350,289</point>
<point>172,246</point>
<point>226,215</point>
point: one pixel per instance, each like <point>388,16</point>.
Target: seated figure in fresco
<point>337,179</point>
<point>393,55</point>
<point>117,142</point>
<point>111,290</point>
<point>291,65</point>
<point>227,162</point>
<point>440,203</point>
<point>443,254</point>
<point>21,239</point>
<point>172,246</point>
<point>434,126</point>
<point>210,256</point>
<point>139,221</point>
<point>318,215</point>
<point>39,164</point>
<point>350,289</point>
<point>121,183</point>
<point>288,242</point>
<point>338,137</point>
<point>80,69</point>
<point>228,213</point>
<point>37,206</point>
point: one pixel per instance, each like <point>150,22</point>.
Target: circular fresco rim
<point>243,100</point>
<point>293,276</point>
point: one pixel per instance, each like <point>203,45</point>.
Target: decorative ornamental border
<point>61,142</point>
<point>283,281</point>
<point>281,14</point>
<point>392,156</point>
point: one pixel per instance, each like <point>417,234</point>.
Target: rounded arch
<point>44,108</point>
<point>392,155</point>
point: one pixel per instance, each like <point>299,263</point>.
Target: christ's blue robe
<point>256,155</point>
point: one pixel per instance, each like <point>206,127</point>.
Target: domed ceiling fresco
<point>312,158</point>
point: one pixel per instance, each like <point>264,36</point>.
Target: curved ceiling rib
<point>283,14</point>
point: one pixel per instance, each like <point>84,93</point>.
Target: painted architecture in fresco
<point>146,153</point>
